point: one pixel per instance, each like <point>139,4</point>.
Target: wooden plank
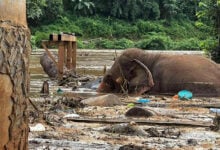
<point>208,105</point>
<point>60,60</point>
<point>69,55</point>
<point>74,47</point>
<point>62,37</point>
<point>143,122</point>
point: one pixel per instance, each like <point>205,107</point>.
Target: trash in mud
<point>37,128</point>
<point>185,95</point>
<point>143,101</point>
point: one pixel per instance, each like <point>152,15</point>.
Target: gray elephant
<point>136,71</point>
<point>48,65</point>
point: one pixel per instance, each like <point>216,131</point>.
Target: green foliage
<point>115,44</point>
<point>35,8</point>
<point>189,44</point>
<point>155,41</point>
<point>53,10</point>
<point>94,27</point>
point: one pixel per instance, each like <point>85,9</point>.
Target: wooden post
<point>69,55</point>
<point>61,52</point>
<point>74,54</point>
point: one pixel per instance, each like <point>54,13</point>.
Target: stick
<point>143,122</point>
<point>35,107</point>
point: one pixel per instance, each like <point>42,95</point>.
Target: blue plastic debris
<point>143,101</point>
<point>215,110</point>
<point>59,91</point>
<point>184,94</point>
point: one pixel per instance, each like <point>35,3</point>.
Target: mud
<point>174,125</point>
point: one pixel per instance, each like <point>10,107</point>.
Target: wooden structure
<point>66,44</point>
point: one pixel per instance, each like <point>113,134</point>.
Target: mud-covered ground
<point>61,121</point>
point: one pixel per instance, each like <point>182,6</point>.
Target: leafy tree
<point>52,10</point>
<point>35,9</point>
<point>168,9</point>
<point>83,7</point>
<point>209,15</point>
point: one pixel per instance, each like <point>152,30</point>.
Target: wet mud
<point>61,121</point>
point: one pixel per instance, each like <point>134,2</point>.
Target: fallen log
<point>143,122</point>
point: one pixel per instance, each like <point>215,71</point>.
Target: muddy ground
<point>60,121</point>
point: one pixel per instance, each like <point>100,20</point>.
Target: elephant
<point>48,65</point>
<point>137,72</point>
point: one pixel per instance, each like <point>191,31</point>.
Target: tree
<point>35,10</point>
<point>209,15</point>
<point>83,7</point>
<point>14,75</point>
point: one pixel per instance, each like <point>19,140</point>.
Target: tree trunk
<point>14,75</point>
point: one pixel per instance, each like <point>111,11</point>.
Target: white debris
<point>37,128</point>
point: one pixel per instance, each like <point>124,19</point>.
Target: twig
<point>35,107</point>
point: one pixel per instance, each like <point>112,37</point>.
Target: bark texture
<point>15,50</point>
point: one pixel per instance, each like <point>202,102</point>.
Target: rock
<point>126,129</point>
<point>133,147</point>
<point>108,100</point>
<point>138,112</point>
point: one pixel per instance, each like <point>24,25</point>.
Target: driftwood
<point>207,105</point>
<point>143,122</point>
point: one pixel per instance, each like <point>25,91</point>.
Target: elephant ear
<point>148,73</point>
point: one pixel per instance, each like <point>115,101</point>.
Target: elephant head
<point>128,75</point>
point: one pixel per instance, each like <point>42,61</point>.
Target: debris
<point>143,121</point>
<point>138,112</point>
<point>45,88</point>
<point>108,100</point>
<point>133,147</point>
<point>175,97</point>
<point>59,91</point>
<point>215,110</point>
<point>71,116</point>
<point>125,128</point>
<point>184,94</point>
<point>167,132</point>
<point>131,105</point>
<point>92,84</point>
<point>192,142</point>
<point>143,101</point>
<point>37,128</point>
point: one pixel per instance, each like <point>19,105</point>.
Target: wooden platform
<point>67,46</point>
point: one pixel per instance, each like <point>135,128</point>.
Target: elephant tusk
<point>150,78</point>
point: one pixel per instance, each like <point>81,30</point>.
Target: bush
<point>121,30</point>
<point>94,27</point>
<point>115,44</point>
<point>155,42</point>
<point>187,44</point>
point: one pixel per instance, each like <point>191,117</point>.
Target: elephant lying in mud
<point>136,71</point>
